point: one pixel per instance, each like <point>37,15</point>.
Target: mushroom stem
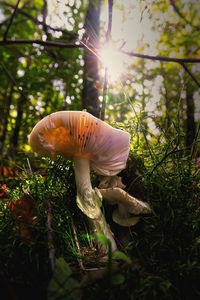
<point>86,199</point>
<point>89,201</point>
<point>100,225</point>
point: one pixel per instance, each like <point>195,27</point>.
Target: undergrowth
<point>163,250</point>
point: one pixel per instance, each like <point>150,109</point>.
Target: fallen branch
<point>50,234</point>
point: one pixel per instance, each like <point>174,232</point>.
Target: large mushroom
<point>90,143</point>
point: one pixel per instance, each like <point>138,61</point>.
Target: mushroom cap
<point>127,206</point>
<point>118,196</point>
<point>79,134</point>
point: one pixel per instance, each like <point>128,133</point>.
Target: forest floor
<point>47,252</point>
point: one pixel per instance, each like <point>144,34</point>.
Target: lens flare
<point>113,60</point>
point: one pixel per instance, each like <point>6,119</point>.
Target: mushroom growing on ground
<point>89,142</point>
<point>128,207</point>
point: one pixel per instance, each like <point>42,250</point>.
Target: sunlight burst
<point>113,60</point>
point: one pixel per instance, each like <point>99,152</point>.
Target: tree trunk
<point>90,100</point>
<point>18,123</point>
<point>166,98</point>
<point>5,119</point>
<point>190,122</point>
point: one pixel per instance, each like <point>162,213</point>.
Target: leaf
<point>117,279</point>
<point>121,255</point>
<point>103,239</point>
<point>25,208</point>
<point>62,286</point>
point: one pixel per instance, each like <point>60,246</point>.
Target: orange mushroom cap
<point>79,134</point>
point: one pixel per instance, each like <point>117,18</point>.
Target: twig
<point>177,10</point>
<point>50,234</point>
<point>80,261</point>
<point>29,166</point>
<point>108,38</point>
<point>163,159</point>
<point>133,181</point>
<point>175,150</point>
<point>11,20</point>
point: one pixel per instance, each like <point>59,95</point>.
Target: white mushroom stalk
<point>89,201</point>
<point>89,142</point>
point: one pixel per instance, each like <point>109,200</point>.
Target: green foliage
<point>62,285</point>
<point>36,80</point>
<point>163,252</point>
<point>58,186</point>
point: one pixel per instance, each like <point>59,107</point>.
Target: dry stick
<point>11,20</point>
<point>78,247</point>
<point>108,37</point>
<point>50,234</point>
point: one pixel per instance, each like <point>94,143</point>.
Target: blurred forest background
<point>44,66</point>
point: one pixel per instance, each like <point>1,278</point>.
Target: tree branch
<point>40,42</point>
<point>110,11</point>
<point>163,58</point>
<point>11,20</point>
<point>36,21</point>
<point>181,61</point>
<point>175,7</point>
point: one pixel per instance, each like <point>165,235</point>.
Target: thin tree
<point>90,95</point>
